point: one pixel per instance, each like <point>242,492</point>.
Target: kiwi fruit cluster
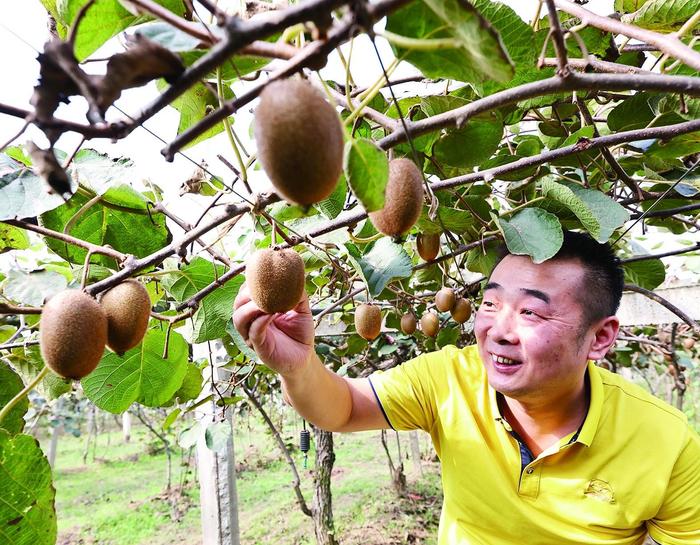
<point>300,141</point>
<point>368,321</point>
<point>75,328</point>
<point>445,300</point>
<point>275,279</point>
<point>403,199</point>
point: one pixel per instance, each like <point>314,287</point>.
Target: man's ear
<point>605,332</point>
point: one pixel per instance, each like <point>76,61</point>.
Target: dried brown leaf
<point>46,165</point>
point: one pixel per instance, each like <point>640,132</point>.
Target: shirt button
<point>529,470</point>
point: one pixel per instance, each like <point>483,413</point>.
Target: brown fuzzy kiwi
<point>688,343</point>
<point>72,333</point>
<point>368,321</point>
<point>445,299</point>
<point>300,141</point>
<point>430,324</point>
<point>408,323</point>
<point>128,309</point>
<point>428,246</point>
<point>403,199</point>
<point>275,279</point>
<point>462,310</point>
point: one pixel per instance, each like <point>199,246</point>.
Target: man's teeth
<point>504,361</point>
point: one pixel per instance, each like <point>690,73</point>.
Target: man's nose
<point>503,328</point>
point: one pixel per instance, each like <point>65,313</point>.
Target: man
<point>537,444</point>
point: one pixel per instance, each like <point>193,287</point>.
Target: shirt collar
<point>595,406</point>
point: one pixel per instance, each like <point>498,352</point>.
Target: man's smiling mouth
<point>502,360</point>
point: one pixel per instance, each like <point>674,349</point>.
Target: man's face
<point>529,328</point>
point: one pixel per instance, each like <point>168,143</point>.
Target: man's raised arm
<point>285,343</point>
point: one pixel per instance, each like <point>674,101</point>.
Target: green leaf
<point>240,342</point>
<point>568,198</point>
<point>451,219</point>
<point>383,263</point>
<point>216,309</point>
<point>28,362</point>
<point>10,385</point>
<point>191,385</point>
<point>23,194</point>
<point>141,375</point>
<point>34,287</point>
<point>472,144</point>
<point>99,172</point>
<point>367,171</point>
<point>635,112</point>
<point>105,19</point>
<point>333,205</point>
<point>680,146</point>
<point>663,15</point>
<point>170,419</point>
<point>170,37</point>
<point>479,54</point>
<point>649,274</point>
<point>12,238</point>
<point>234,67</point>
<point>484,263</point>
<point>533,232</point>
<point>122,219</point>
<point>447,335</point>
<point>27,514</point>
<point>194,105</point>
<point>628,6</point>
<point>218,435</point>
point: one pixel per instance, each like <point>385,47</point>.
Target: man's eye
<point>528,312</point>
<point>487,304</point>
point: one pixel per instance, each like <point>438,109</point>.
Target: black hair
<point>604,277</point>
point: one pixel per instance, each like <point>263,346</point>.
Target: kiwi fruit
<point>462,310</point>
<point>403,199</point>
<point>428,246</point>
<point>408,323</point>
<point>688,343</point>
<point>72,334</point>
<point>445,299</point>
<point>300,141</point>
<point>128,309</point>
<point>368,321</point>
<point>430,324</point>
<point>275,279</point>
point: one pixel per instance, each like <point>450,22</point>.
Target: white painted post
<point>126,426</point>
<point>217,482</point>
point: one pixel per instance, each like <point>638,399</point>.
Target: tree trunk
<point>398,477</point>
<point>415,452</point>
<point>323,510</point>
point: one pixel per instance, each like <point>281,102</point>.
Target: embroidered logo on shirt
<point>600,490</point>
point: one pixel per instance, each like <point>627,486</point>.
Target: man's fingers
<point>244,316</point>
<point>258,329</point>
<point>242,297</point>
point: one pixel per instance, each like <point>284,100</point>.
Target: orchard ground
<point>119,496</point>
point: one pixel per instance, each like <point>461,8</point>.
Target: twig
<point>6,308</point>
<point>597,65</point>
<point>10,346</point>
<point>665,254</point>
<point>667,213</point>
<point>667,43</point>
<point>663,302</point>
<point>558,39</point>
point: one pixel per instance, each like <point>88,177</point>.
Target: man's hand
<point>284,341</point>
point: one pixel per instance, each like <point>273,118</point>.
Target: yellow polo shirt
<point>633,468</point>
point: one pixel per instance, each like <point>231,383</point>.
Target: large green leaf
<point>628,6</point>
<point>10,385</point>
<point>216,309</point>
<point>663,15</point>
<point>649,274</point>
<point>32,288</point>
<point>479,53</point>
<point>121,219</point>
<point>12,238</point>
<point>383,263</point>
<point>195,104</point>
<point>534,232</point>
<point>367,171</point>
<point>23,194</point>
<point>141,375</point>
<point>472,144</point>
<point>451,219</point>
<point>636,112</point>
<point>27,513</point>
<point>104,19</point>
<point>98,171</point>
